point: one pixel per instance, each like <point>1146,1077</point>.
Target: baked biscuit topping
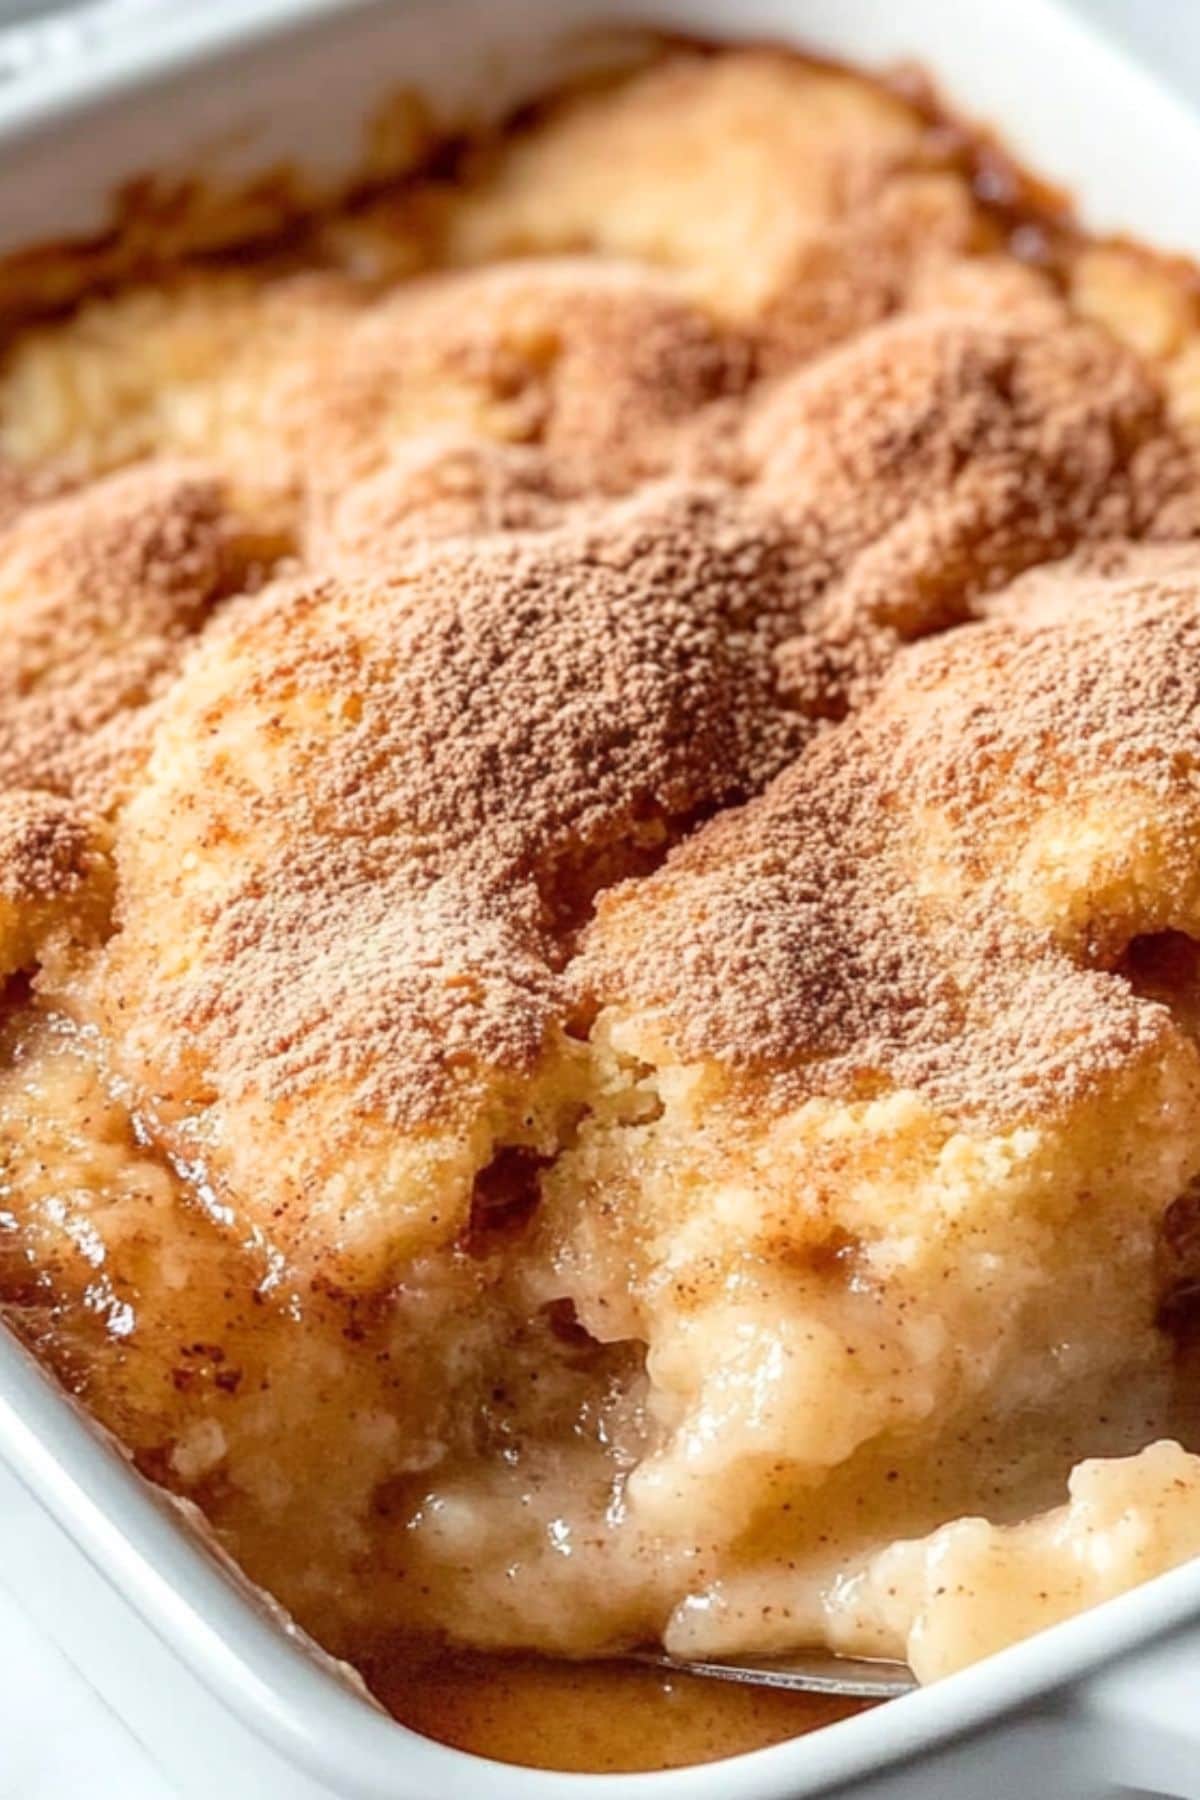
<point>1016,805</point>
<point>400,790</point>
<point>598,857</point>
<point>100,591</point>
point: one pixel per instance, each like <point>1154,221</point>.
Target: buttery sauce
<point>588,1717</point>
<point>619,1717</point>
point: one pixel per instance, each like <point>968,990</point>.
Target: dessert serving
<point>600,898</point>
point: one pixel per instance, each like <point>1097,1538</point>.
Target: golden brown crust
<point>100,591</point>
<point>55,878</point>
<point>404,790</point>
<point>378,803</point>
<point>936,456</point>
<point>920,901</point>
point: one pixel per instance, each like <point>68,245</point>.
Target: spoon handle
<point>808,1672</point>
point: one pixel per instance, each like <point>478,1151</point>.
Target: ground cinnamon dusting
<point>99,592</point>
<point>521,689</point>
<point>790,942</point>
<point>504,728</point>
<point>42,846</point>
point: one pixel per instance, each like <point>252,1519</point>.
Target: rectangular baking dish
<point>222,1692</point>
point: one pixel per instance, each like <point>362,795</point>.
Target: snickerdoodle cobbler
<point>600,897</point>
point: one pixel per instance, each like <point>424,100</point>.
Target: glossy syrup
<point>597,1717</point>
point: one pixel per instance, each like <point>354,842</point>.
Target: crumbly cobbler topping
<point>599,857</point>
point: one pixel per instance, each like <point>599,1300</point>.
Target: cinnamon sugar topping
<point>43,847</point>
<point>99,592</point>
<point>920,898</point>
<point>380,798</point>
<point>404,790</point>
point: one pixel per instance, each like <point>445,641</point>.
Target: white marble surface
<point>58,1740</point>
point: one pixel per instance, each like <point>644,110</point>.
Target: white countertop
<point>58,1739</point>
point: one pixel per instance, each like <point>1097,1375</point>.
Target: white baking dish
<point>225,1697</point>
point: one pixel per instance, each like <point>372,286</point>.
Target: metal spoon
<point>809,1672</point>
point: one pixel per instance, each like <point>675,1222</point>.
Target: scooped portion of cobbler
<point>600,887</point>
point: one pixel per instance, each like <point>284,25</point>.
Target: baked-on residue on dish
<point>600,886</point>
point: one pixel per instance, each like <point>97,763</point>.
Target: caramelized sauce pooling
<point>587,1717</point>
